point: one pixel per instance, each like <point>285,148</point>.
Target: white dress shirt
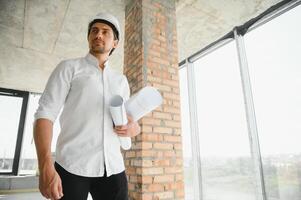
<point>87,141</point>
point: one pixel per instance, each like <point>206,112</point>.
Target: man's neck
<point>102,58</point>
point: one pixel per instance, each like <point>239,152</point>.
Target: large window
<point>273,52</point>
<point>248,114</point>
<point>13,110</point>
<point>17,148</point>
<point>224,146</point>
<point>28,162</point>
<point>186,136</point>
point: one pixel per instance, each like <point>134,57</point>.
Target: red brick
<point>170,153</point>
<point>145,179</point>
<point>130,171</point>
<point>176,131</point>
<point>169,123</point>
<point>171,109</point>
<point>146,128</point>
<point>176,117</point>
<point>145,196</point>
<point>180,193</point>
<point>150,121</point>
<point>133,179</point>
<point>179,177</point>
<point>174,185</point>
<point>146,153</point>
<point>169,138</point>
<point>131,186</point>
<point>178,146</point>
<point>167,146</point>
<point>152,171</point>
<point>147,145</point>
<point>164,195</point>
<point>161,162</point>
<point>163,178</point>
<point>162,87</point>
<point>172,83</point>
<point>155,188</point>
<point>172,170</point>
<point>161,115</point>
<point>162,130</point>
<point>152,137</point>
<point>130,154</point>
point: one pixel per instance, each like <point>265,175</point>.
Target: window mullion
<point>17,155</point>
<point>197,180</point>
<point>251,117</point>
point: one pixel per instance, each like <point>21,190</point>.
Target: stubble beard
<point>99,50</point>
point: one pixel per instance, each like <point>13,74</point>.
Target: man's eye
<point>94,31</point>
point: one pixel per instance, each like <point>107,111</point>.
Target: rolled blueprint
<point>118,111</point>
<point>140,104</point>
<point>143,102</point>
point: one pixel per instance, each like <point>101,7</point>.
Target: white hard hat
<point>108,19</point>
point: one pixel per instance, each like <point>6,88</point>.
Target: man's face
<point>101,39</point>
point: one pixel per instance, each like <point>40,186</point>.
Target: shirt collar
<point>92,60</point>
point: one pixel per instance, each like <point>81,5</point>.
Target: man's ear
<point>115,43</point>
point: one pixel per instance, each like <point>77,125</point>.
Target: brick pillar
<point>155,162</point>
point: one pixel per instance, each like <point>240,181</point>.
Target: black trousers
<point>77,187</point>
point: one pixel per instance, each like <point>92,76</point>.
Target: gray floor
<point>22,196</point>
<point>26,196</point>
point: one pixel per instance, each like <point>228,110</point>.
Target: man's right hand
<point>50,183</point>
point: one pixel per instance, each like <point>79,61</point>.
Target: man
<point>88,157</point>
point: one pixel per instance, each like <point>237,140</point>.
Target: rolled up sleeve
<point>55,93</point>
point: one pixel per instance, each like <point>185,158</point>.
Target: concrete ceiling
<point>36,34</point>
<point>201,22</point>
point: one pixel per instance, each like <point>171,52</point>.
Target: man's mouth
<point>98,42</point>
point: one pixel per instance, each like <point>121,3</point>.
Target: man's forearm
<point>42,137</point>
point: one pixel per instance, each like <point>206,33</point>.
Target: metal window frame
<point>237,35</point>
<point>17,154</point>
<point>250,112</point>
<point>196,155</point>
<point>275,13</point>
<point>251,117</point>
<point>271,13</point>
<point>248,96</point>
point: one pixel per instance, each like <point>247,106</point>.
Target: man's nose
<point>99,35</point>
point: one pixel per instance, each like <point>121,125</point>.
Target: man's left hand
<point>131,129</point>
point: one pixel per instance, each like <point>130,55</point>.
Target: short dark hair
<point>115,32</point>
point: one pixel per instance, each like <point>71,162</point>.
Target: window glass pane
<point>186,135</point>
<point>273,51</point>
<point>10,110</point>
<point>28,162</point>
<point>227,170</point>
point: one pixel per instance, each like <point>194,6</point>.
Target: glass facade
<point>10,117</point>
<point>229,163</point>
<point>274,64</point>
<point>223,135</point>
<point>10,107</point>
